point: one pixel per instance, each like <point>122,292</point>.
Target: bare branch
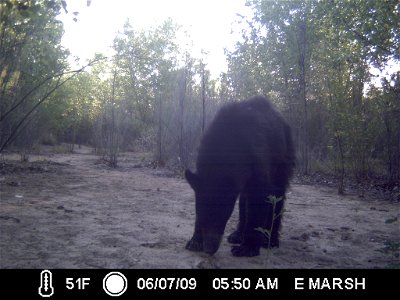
<point>58,75</point>
<point>58,84</point>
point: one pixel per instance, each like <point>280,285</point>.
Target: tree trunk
<point>341,166</point>
<point>182,96</point>
<point>160,156</point>
<point>302,46</point>
<point>203,97</point>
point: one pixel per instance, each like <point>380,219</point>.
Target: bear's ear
<point>192,179</point>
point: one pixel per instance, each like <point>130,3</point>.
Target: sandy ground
<point>72,211</point>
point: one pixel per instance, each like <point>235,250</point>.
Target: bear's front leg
<point>196,242</point>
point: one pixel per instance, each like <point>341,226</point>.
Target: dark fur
<point>247,152</point>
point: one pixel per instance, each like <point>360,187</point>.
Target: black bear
<point>247,152</point>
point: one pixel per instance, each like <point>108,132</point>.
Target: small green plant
<point>392,248</point>
<point>391,220</point>
<point>273,200</point>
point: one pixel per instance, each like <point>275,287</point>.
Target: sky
<point>208,22</point>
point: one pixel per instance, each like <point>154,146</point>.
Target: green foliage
<point>392,248</point>
<point>391,220</point>
<point>314,58</point>
<point>30,59</point>
<point>273,200</point>
<point>132,81</point>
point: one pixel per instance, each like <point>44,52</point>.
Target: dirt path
<point>70,211</point>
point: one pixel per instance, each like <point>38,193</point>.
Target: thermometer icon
<point>46,284</point>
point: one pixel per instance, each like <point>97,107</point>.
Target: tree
<point>32,63</point>
<point>314,59</point>
<point>275,56</point>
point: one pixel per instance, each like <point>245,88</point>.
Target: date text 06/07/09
<point>167,283</point>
